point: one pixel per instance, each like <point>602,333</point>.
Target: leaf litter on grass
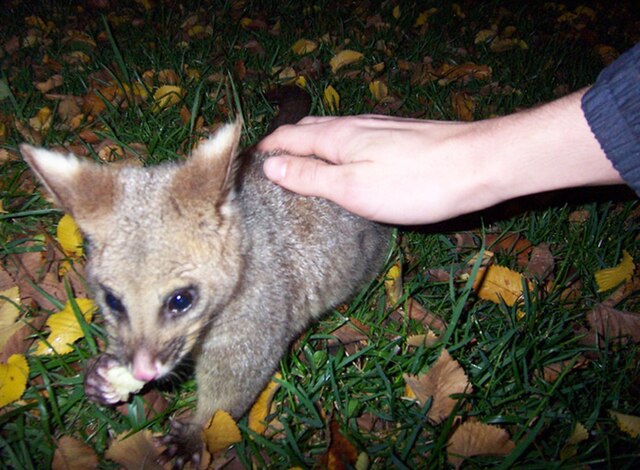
<point>387,62</point>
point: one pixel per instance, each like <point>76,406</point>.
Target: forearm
<point>545,148</point>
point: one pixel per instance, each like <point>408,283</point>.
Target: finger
<point>315,137</point>
<point>306,176</point>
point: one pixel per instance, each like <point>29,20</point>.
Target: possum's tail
<point>293,104</point>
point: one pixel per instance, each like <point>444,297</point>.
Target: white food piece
<point>123,382</point>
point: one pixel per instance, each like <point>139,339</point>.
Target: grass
<point>502,352</point>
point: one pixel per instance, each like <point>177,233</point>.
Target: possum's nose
<point>145,366</point>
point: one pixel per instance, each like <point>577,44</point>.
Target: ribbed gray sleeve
<point>612,109</point>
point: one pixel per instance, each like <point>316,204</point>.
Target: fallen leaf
<point>73,454</point>
<point>69,236</point>
<point>463,105</point>
<point>65,329</point>
<point>304,46</point>
<point>9,313</point>
<point>614,324</point>
<point>166,96</point>
<point>378,90</point>
<point>473,438</point>
<point>13,379</point>
<point>449,73</point>
<point>627,423</point>
<point>41,122</point>
<point>499,284</point>
<point>341,454</point>
<point>343,58</point>
<point>221,432</point>
<point>262,406</point>
<point>168,77</point>
<point>611,277</point>
<point>393,284</point>
<point>551,372</point>
<point>570,447</point>
<point>541,262</point>
<point>415,311</point>
<point>331,99</point>
<point>137,451</point>
<point>443,379</point>
<point>427,340</point>
<point>52,82</point>
<point>352,335</point>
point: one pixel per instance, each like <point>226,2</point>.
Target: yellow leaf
<point>262,407</point>
<point>9,312</point>
<point>498,283</point>
<point>167,95</point>
<point>423,17</point>
<point>221,432</point>
<point>69,236</point>
<point>473,438</point>
<point>379,90</point>
<point>343,58</point>
<point>304,46</point>
<point>611,277</point>
<point>13,379</point>
<point>396,12</point>
<point>627,423</point>
<point>65,329</point>
<point>393,283</point>
<point>301,82</point>
<point>485,35</point>
<point>458,11</point>
<point>42,120</point>
<point>570,448</point>
<point>331,99</point>
<point>246,22</point>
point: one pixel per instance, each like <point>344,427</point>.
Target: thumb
<point>306,176</point>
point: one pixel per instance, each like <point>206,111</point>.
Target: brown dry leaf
<point>427,340</point>
<point>473,438</point>
<point>343,58</point>
<point>262,406</point>
<point>541,262</point>
<point>443,379</point>
<point>498,284</point>
<point>463,105</point>
<point>221,432</point>
<point>449,73</point>
<point>168,77</point>
<point>579,217</point>
<point>352,335</point>
<point>415,311</point>
<point>93,104</point>
<point>616,325</point>
<point>53,82</point>
<point>68,109</point>
<point>341,454</point>
<point>137,451</point>
<point>510,243</point>
<point>551,372</point>
<point>73,454</point>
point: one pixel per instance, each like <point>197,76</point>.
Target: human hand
<point>394,170</point>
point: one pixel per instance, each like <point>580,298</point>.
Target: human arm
<point>406,171</point>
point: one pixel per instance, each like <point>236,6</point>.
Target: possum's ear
<point>210,172</point>
<point>83,189</point>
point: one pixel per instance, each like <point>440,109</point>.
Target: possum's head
<point>164,251</point>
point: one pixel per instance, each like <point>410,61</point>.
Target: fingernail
<point>275,168</point>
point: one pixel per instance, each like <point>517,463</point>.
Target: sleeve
<point>612,109</point>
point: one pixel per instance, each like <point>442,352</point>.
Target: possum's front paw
<point>184,444</point>
<point>108,382</point>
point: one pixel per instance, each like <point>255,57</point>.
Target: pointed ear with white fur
<point>83,189</point>
<point>210,172</point>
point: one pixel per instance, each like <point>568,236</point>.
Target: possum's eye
<point>114,303</point>
<point>181,300</point>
